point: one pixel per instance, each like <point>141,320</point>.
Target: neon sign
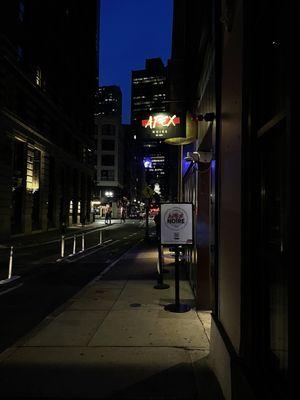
<point>162,125</point>
<point>160,121</point>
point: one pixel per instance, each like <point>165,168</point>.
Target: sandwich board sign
<point>176,223</point>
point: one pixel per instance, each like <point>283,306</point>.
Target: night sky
<point>130,32</point>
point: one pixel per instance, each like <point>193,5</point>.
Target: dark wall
<point>59,38</point>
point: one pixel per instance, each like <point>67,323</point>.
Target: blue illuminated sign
<point>147,161</point>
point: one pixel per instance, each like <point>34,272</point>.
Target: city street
<point>147,179</point>
<point>115,338</point>
<point>44,286</point>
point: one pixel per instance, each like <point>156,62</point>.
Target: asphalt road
<point>28,254</point>
<point>46,284</point>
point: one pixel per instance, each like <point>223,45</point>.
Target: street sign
<point>161,126</point>
<point>148,192</point>
<point>176,223</point>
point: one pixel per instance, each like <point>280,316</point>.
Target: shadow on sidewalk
<point>98,375</point>
<point>114,340</point>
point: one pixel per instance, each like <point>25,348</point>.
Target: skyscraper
<point>148,96</point>
<point>108,101</point>
<point>149,90</point>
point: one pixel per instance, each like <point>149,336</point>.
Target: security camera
<point>208,117</point>
<point>197,157</point>
<point>205,156</point>
<point>188,157</point>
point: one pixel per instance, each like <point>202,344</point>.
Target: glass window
<point>108,160</point>
<point>38,76</point>
<point>107,175</point>
<point>21,10</point>
<point>108,129</point>
<point>108,144</point>
<point>272,254</point>
<point>20,53</point>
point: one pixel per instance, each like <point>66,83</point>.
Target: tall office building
<point>131,163</point>
<point>48,75</point>
<point>110,147</point>
<point>148,96</point>
<point>108,101</point>
<point>149,89</point>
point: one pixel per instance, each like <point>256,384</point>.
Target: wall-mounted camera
<point>208,117</point>
<point>199,156</point>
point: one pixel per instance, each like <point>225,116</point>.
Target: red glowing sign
<point>160,121</point>
<point>161,126</point>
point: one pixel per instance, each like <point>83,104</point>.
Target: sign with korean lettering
<point>176,223</point>
<point>163,126</point>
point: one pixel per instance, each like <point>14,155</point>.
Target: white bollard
<point>74,244</point>
<point>62,250</point>
<point>100,236</point>
<point>10,262</point>
<point>82,242</point>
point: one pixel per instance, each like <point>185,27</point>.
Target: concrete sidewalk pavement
<point>114,340</point>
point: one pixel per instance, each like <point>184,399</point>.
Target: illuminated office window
<point>38,76</point>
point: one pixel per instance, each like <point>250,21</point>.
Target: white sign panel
<point>177,223</point>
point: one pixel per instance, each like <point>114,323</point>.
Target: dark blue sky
<point>130,32</point>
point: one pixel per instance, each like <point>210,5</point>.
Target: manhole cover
<point>135,305</point>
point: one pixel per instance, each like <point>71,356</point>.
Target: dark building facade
<point>110,147</point>
<point>131,162</point>
<point>148,96</point>
<point>48,75</point>
<point>108,101</point>
<point>234,66</point>
<point>149,89</point>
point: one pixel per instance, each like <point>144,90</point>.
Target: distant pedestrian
<point>108,214</point>
<point>123,214</point>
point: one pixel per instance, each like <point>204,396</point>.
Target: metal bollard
<point>82,242</point>
<point>74,244</point>
<point>62,249</point>
<point>160,278</point>
<point>100,236</point>
<point>10,262</point>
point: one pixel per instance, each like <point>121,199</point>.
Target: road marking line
<point>67,258</point>
<point>92,252</point>
<point>113,264</point>
<point>68,236</point>
<point>11,289</point>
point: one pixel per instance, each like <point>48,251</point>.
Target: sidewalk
<point>114,340</point>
